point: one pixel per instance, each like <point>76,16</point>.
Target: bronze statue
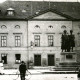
<point>68,41</point>
<point>71,40</point>
<point>65,41</point>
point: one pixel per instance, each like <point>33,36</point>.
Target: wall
<point>43,31</point>
<point>76,29</point>
<point>11,50</point>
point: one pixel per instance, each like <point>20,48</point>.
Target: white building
<point>31,31</point>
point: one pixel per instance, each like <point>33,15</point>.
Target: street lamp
<point>31,47</point>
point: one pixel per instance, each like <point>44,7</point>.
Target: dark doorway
<point>51,60</point>
<point>37,60</point>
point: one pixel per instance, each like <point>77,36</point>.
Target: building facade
<point>36,38</point>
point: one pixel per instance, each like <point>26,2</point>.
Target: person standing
<point>22,70</point>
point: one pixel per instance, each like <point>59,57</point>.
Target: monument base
<point>68,59</point>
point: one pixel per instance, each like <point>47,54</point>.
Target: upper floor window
<point>17,27</point>
<point>50,26</point>
<point>79,39</point>
<point>50,40</point>
<point>37,26</point>
<point>4,58</point>
<point>10,11</point>
<point>37,40</point>
<point>17,41</point>
<point>3,41</point>
<point>3,27</point>
<point>63,26</point>
<point>17,58</point>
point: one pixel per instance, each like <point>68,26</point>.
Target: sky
<point>1,1</point>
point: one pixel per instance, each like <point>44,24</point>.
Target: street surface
<point>43,77</point>
<point>37,75</point>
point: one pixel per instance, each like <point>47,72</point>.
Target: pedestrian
<point>78,74</point>
<point>22,70</point>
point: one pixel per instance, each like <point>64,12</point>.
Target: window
<point>3,41</point>
<point>17,58</point>
<point>4,58</point>
<point>69,56</point>
<point>17,41</point>
<point>50,40</point>
<point>37,26</point>
<point>63,26</point>
<point>17,27</point>
<point>3,27</point>
<point>10,11</point>
<point>79,39</point>
<point>37,40</point>
<point>50,26</point>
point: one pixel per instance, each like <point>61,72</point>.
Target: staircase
<point>68,66</point>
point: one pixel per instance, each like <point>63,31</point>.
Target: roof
<point>26,9</point>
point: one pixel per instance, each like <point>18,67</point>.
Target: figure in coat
<point>22,70</point>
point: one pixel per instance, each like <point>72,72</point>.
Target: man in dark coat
<point>22,69</point>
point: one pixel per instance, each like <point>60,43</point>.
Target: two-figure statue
<point>68,41</point>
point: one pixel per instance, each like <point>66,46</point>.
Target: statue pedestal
<point>68,59</point>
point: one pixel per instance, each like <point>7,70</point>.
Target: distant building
<point>31,31</point>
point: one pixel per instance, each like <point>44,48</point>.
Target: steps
<point>66,64</point>
<point>65,69</point>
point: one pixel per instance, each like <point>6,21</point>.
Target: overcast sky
<point>51,0</point>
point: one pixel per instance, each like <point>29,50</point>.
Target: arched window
<point>3,27</point>
<point>37,26</point>
<point>50,26</point>
<point>17,27</point>
<point>63,26</point>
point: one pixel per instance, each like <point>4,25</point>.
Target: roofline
<point>13,19</point>
<point>39,1</point>
<point>17,19</point>
<point>52,10</point>
<point>49,20</point>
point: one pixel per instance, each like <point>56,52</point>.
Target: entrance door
<point>37,60</point>
<point>51,60</point>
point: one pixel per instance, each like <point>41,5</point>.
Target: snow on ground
<point>44,77</point>
<point>37,75</point>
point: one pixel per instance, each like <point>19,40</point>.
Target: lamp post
<point>29,47</point>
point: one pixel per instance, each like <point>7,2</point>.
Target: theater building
<point>32,33</point>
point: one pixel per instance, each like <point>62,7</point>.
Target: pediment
<point>49,15</point>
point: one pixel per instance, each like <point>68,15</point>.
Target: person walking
<point>22,70</point>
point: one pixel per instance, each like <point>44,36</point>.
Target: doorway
<point>51,59</point>
<point>37,60</point>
